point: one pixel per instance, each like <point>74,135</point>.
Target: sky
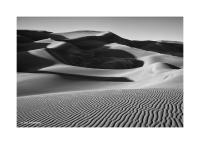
<point>133,28</point>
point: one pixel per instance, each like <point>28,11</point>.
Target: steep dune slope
<point>42,53</point>
<point>173,60</point>
<point>27,62</point>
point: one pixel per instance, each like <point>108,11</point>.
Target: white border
<point>11,9</point>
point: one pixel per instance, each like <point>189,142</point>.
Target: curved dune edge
<point>82,33</point>
<point>42,53</point>
<point>132,50</point>
<point>109,108</point>
<point>46,83</point>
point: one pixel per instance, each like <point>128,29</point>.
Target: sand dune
<point>103,57</point>
<point>34,34</point>
<point>112,108</point>
<point>79,34</point>
<point>27,62</point>
<point>44,83</point>
<point>134,51</point>
<point>61,68</point>
<point>48,40</point>
<point>165,47</point>
<point>97,79</point>
<point>42,53</point>
<point>23,47</point>
<point>173,60</point>
<point>70,78</point>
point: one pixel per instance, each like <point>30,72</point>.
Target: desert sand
<point>98,79</point>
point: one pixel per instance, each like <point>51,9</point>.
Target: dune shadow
<point>172,66</point>
<point>101,57</point>
<point>21,47</point>
<point>27,62</point>
<point>87,78</point>
<point>34,34</point>
<point>170,48</point>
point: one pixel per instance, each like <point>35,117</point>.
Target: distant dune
<point>97,79</point>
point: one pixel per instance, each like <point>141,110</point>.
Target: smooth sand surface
<point>36,83</point>
<point>63,95</point>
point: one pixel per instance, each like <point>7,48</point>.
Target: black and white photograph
<point>100,72</point>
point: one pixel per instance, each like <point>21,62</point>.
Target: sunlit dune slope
<point>79,34</point>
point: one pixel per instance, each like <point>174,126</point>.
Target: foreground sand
<point>108,108</point>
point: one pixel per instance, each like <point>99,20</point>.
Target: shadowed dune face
<point>171,48</point>
<point>102,57</point>
<point>23,39</point>
<point>34,35</point>
<point>26,39</point>
<point>29,63</point>
<point>92,42</point>
<point>23,47</point>
<point>89,78</point>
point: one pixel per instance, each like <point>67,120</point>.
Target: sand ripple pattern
<point>108,108</point>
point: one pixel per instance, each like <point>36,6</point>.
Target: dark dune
<point>171,48</point>
<point>57,37</point>
<point>23,39</point>
<point>27,62</point>
<point>122,63</point>
<point>26,39</point>
<point>103,58</point>
<point>22,47</point>
<point>172,66</point>
<point>107,52</point>
<point>33,34</point>
<point>92,42</point>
